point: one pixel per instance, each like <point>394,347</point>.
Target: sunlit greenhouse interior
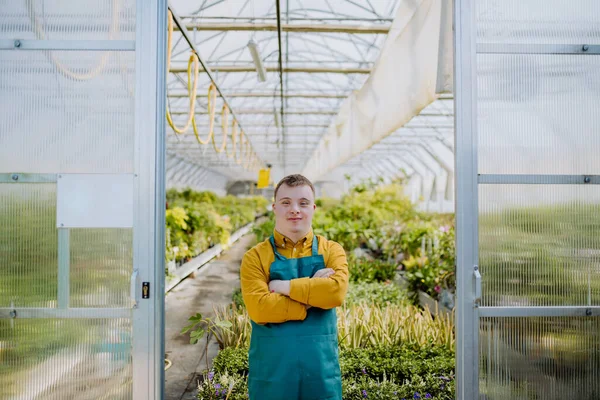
<point>452,149</point>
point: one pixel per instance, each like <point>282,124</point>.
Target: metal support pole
<point>467,211</point>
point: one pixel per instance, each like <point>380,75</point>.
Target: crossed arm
<point>281,301</point>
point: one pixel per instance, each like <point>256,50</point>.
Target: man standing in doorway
<point>291,284</point>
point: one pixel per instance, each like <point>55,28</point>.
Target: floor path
<point>210,286</point>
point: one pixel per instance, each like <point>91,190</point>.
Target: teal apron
<point>296,360</point>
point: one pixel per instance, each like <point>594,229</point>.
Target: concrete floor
<point>212,285</point>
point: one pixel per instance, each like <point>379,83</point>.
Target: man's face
<point>294,208</point>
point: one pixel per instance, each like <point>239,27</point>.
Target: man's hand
<point>324,273</point>
<point>281,287</point>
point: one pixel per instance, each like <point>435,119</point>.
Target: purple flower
<point>417,396</point>
<point>364,371</point>
<point>438,289</point>
<point>211,375</point>
<point>364,393</point>
<point>427,396</point>
<point>217,386</point>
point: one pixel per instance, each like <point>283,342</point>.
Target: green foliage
<point>223,386</point>
<point>360,216</point>
<point>433,271</point>
<point>196,221</point>
<point>265,229</point>
<point>398,362</point>
<point>364,270</point>
<point>199,326</point>
<point>237,298</point>
<point>232,360</point>
<point>375,292</point>
<point>386,372</point>
<point>417,387</point>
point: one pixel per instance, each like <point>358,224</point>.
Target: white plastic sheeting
<point>414,63</point>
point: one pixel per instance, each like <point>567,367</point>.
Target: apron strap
<point>315,246</point>
<point>277,255</point>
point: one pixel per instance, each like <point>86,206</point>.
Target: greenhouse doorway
<point>81,215</point>
<point>527,199</point>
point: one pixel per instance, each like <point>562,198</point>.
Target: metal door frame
<point>149,194</point>
<point>149,191</point>
<point>468,283</point>
<point>466,200</point>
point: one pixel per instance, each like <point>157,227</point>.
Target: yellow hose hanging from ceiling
<point>192,88</point>
<point>212,100</point>
<point>41,35</point>
<point>238,155</point>
<point>224,127</point>
<point>246,155</point>
<point>234,127</point>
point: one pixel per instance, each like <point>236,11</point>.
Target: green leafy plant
<point>237,298</point>
<point>433,272</point>
<point>232,360</point>
<point>383,372</point>
<point>200,326</point>
<point>224,385</point>
<point>367,325</point>
<point>375,293</point>
<point>239,328</point>
<point>196,221</point>
<point>265,229</point>
<point>365,270</point>
<point>359,325</point>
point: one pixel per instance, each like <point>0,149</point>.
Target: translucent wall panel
<point>539,254</point>
<point>61,359</point>
<point>73,113</point>
<point>101,265</point>
<point>538,114</point>
<point>539,358</point>
<point>538,22</point>
<point>28,245</point>
<point>62,20</point>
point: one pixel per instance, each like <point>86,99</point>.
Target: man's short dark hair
<point>293,181</point>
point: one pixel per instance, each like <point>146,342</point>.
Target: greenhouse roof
<point>319,58</point>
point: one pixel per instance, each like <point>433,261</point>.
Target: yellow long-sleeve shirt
<point>266,307</point>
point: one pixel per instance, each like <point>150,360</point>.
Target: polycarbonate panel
<point>63,20</point>
<point>537,22</point>
<point>539,245</point>
<point>58,359</point>
<point>539,358</point>
<point>101,267</point>
<point>538,114</point>
<point>28,245</point>
<point>51,122</point>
